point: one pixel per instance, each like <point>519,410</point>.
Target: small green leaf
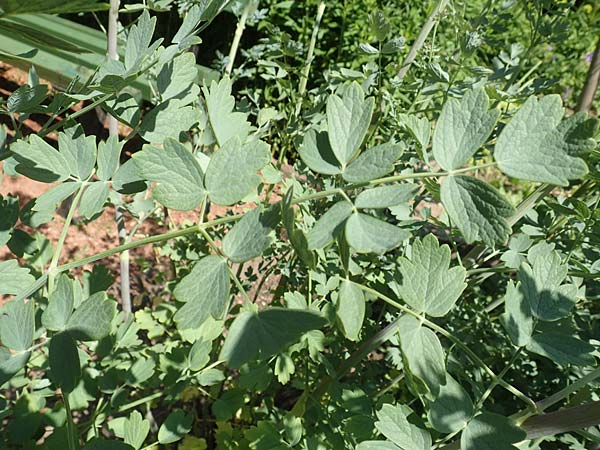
<point>11,364</point>
<point>136,430</point>
<point>251,235</point>
<point>420,128</point>
<point>199,355</point>
<point>65,368</point>
<point>393,423</point>
<point>205,290</point>
<point>91,320</point>
<point>39,161</point>
<point>366,234</point>
<point>429,285</point>
<point>260,335</point>
<point>109,154</point>
<point>79,152</point>
<point>26,98</point>
<point>329,225</point>
<point>377,445</point>
<point>517,318</point>
<point>226,186</point>
<point>533,145</point>
<point>224,122</point>
<point>13,279</point>
<point>547,297</point>
<point>423,352</point>
<point>175,427</point>
<point>488,431</point>
<point>477,209</point>
<point>348,119</point>
<point>373,163</point>
<point>138,41</point>
<point>562,349</point>
<point>9,215</point>
<point>176,78</point>
<point>452,409</point>
<point>60,304</point>
<point>50,199</point>
<point>317,154</point>
<point>462,128</point>
<point>385,196</point>
<point>177,172</point>
<point>17,325</point>
<point>350,309</point>
<point>126,180</point>
<point>93,199</point>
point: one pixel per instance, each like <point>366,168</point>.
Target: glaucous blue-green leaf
<point>423,352</point>
<point>386,196</point>
<point>251,235</point>
<point>260,335</point>
<point>199,355</point>
<point>563,349</point>
<point>168,120</point>
<point>126,109</point>
<point>13,278</point>
<point>517,318</point>
<point>205,290</point>
<point>373,163</point>
<point>11,364</point>
<point>39,161</point>
<point>93,199</point>
<point>533,146</point>
<point>50,199</point>
<point>367,234</point>
<point>226,186</point>
<point>578,131</point>
<point>462,128</point>
<point>329,225</point>
<point>541,285</point>
<point>452,408</point>
<point>17,325</point>
<point>177,172</point>
<point>79,152</point>
<point>9,215</point>
<point>393,423</point>
<point>26,98</point>
<point>377,445</point>
<point>350,309</point>
<point>109,154</point>
<point>91,320</point>
<point>429,285</point>
<point>63,358</point>
<point>296,236</point>
<point>348,119</point>
<point>176,79</point>
<point>419,127</point>
<point>136,430</point>
<point>138,41</point>
<point>175,427</point>
<point>488,431</point>
<point>317,154</point>
<point>126,180</point>
<point>477,209</point>
<point>224,123</point>
<point>60,304</point>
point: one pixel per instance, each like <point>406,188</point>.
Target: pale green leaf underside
<point>532,147</point>
<point>462,128</point>
<point>205,290</point>
<point>177,172</point>
<point>231,174</point>
<point>348,119</point>
<point>350,309</point>
<point>367,234</point>
<point>259,335</point>
<point>429,285</point>
<point>477,209</point>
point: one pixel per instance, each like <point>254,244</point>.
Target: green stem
<point>496,380</point>
<point>63,237</point>
<point>238,36</point>
<point>71,432</point>
<point>139,402</point>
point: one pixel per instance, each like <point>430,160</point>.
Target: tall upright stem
<point>241,26</point>
<point>113,130</point>
<point>591,83</point>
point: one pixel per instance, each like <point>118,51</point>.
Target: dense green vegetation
<point>395,234</point>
